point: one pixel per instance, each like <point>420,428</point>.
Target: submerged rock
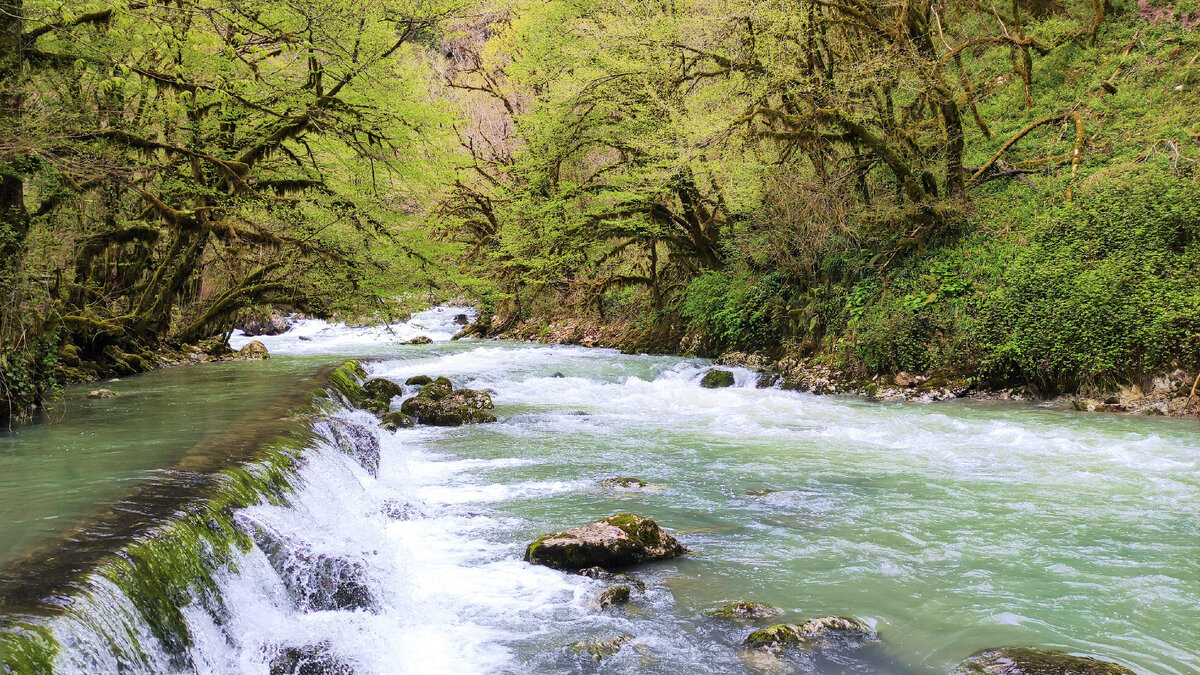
<point>358,441</point>
<point>624,482</point>
<point>1029,661</point>
<point>744,611</point>
<point>308,660</point>
<point>439,404</point>
<point>600,649</point>
<point>326,582</point>
<point>819,633</point>
<point>617,541</point>
<point>398,509</point>
<point>254,350</point>
<point>717,379</point>
<point>617,595</point>
<point>397,420</point>
<point>103,393</point>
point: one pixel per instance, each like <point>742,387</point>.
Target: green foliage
<point>736,311</point>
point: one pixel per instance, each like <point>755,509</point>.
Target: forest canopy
<point>1006,190</point>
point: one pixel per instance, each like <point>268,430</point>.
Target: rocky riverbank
<point>1173,394</point>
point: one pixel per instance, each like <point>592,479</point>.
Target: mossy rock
<point>744,611</point>
<point>254,351</point>
<point>819,633</point>
<point>418,380</point>
<point>1030,661</point>
<point>439,406</point>
<point>617,595</point>
<point>346,380</point>
<point>617,541</point>
<point>717,379</point>
<point>397,420</point>
<point>624,482</point>
<point>437,389</point>
<point>420,340</point>
<point>599,650</point>
<point>378,387</point>
<point>103,393</point>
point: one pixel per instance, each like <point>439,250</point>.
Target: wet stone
<point>744,611</point>
<point>1029,661</point>
<point>825,633</point>
<point>308,660</point>
<point>599,650</point>
<point>717,379</point>
<point>617,541</point>
<point>617,595</point>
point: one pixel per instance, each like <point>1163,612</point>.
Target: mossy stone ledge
<point>621,540</point>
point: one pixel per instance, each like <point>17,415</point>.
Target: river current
<point>948,527</point>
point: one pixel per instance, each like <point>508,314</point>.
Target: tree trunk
<point>14,219</point>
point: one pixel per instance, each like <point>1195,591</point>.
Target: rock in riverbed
<point>600,649</point>
<point>1028,661</point>
<point>624,482</point>
<point>439,404</point>
<point>813,634</point>
<point>308,660</point>
<point>717,379</point>
<point>103,393</point>
<point>418,380</point>
<point>420,340</point>
<point>617,541</point>
<point>744,611</point>
<point>397,420</point>
<point>254,351</point>
<point>617,595</point>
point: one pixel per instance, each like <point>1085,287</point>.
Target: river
<point>949,527</point>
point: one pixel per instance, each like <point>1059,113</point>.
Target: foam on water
<point>315,336</point>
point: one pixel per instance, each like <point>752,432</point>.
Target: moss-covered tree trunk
<point>14,220</point>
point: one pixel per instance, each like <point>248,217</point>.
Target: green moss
<point>161,572</point>
<point>27,648</point>
<point>347,379</point>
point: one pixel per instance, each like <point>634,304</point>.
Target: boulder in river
<point>616,595</point>
<point>599,650</point>
<point>717,379</point>
<point>625,482</point>
<point>1030,661</point>
<point>313,659</point>
<point>378,387</point>
<point>271,324</point>
<point>326,582</point>
<point>744,611</point>
<point>379,393</point>
<point>103,393</point>
<point>397,420</point>
<point>439,404</point>
<point>254,351</point>
<point>819,633</point>
<point>418,380</point>
<point>462,319</point>
<point>420,340</point>
<point>617,541</point>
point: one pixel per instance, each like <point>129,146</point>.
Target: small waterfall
<point>272,537</point>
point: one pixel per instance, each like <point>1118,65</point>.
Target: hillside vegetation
<point>1007,193</point>
<point>1003,192</point>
